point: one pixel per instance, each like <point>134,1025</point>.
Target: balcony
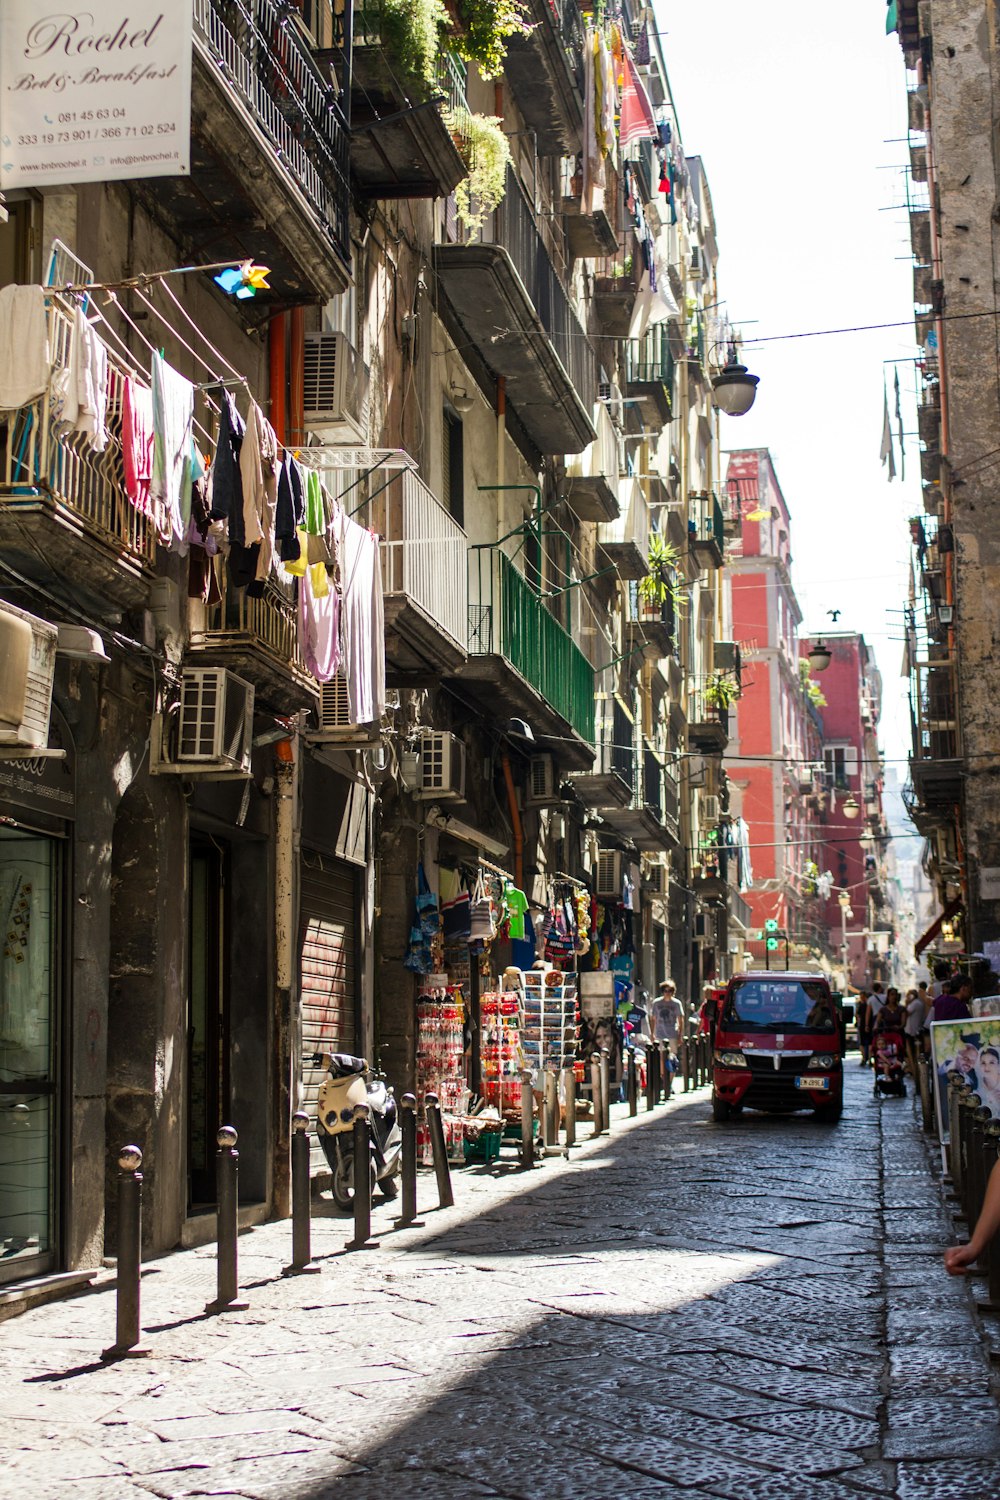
<point>424,576</point>
<point>614,288</point>
<point>707,724</point>
<point>936,766</point>
<point>611,781</point>
<point>544,70</point>
<point>706,531</point>
<point>521,660</point>
<point>513,309</point>
<point>64,513</point>
<point>920,235</point>
<point>269,155</point>
<point>400,144</point>
<point>649,375</point>
<point>587,235</point>
<point>650,626</point>
<point>592,476</point>
<point>258,639</point>
<point>624,544</point>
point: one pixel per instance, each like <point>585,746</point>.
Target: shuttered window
<point>328,971</point>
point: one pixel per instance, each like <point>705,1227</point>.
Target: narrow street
<point>755,1310</point>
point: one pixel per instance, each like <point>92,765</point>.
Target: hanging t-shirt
<point>515,905</point>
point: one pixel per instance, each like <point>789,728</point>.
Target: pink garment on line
<point>319,629</point>
<point>363,621</point>
<point>137,445</point>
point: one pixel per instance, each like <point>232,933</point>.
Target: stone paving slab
<point>749,1311</point>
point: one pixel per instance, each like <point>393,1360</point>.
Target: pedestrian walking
<point>953,1002</point>
<point>889,1017</point>
<point>916,1014</point>
<point>667,1016</point>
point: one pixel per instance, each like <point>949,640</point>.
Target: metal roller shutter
<point>328,971</point>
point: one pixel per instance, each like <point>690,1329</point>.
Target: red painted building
<point>854,836</point>
<point>775,758</point>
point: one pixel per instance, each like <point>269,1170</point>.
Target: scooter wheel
<point>343,1182</point>
<point>389,1187</point>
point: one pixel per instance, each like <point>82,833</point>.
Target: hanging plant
<point>485,28</point>
<point>411,33</point>
<point>660,583</point>
<point>485,150</point>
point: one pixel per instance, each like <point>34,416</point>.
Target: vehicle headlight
<point>821,1061</point>
<point>731,1059</point>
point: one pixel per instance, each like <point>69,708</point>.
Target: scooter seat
<point>343,1065</point>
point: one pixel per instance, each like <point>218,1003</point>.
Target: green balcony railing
<point>649,360</point>
<point>507,618</point>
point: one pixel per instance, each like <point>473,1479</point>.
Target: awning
<point>950,911</point>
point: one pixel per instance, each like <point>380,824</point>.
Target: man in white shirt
<point>667,1015</point>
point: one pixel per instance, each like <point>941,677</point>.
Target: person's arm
<point>959,1256</point>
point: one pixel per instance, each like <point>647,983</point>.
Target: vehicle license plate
<point>805,1082</point>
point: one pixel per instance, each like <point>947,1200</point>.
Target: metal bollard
<point>605,1089</point>
<point>954,1146</point>
<point>924,1086</point>
<point>227,1166</point>
<point>129,1270</point>
<point>595,1092</point>
<point>408,1158</point>
<point>551,1117</point>
<point>569,1087</point>
<point>702,1060</point>
<point>981,1117</point>
<point>527,1120</point>
<point>992,1255</point>
<point>685,1064</point>
<point>439,1151</point>
<point>631,1085</point>
<point>966,1104</point>
<point>652,1066</point>
<point>666,1070</point>
<point>302,1261</point>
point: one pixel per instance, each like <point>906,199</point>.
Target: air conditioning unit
<point>709,808</point>
<point>336,726</point>
<point>27,666</point>
<point>610,396</point>
<point>656,879</point>
<point>608,876</point>
<point>335,384</point>
<point>542,787</point>
<point>210,733</point>
<point>442,766</point>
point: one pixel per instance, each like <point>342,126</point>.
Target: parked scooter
<point>350,1082</point>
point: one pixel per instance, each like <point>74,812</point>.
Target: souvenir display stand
<point>441,1061</point>
<point>549,1025</point>
<point>502,1057</point>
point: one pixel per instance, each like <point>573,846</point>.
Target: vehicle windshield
<point>781,1005</point>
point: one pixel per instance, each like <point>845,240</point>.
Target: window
<point>453,467</point>
<point>841,765</point>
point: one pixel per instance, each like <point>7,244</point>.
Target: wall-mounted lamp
<point>946,613</point>
<point>819,657</point>
<point>850,807</point>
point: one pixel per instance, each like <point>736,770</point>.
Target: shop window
<point>28,1012</point>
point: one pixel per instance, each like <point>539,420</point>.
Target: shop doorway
<point>30,892</point>
<point>208,1030</point>
<point>328,971</point>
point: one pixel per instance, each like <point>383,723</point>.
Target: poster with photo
<point>986,1005</point>
<point>971,1048</point>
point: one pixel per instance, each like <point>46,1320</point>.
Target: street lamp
<point>734,388</point>
<point>819,657</point>
<point>850,807</point>
<point>845,915</point>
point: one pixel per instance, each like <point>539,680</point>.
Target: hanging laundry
<point>80,387</point>
<point>637,122</point>
<point>25,364</point>
<point>137,448</point>
<point>363,621</point>
<point>173,449</point>
<point>593,162</point>
<point>608,102</point>
<point>227,481</point>
<point>259,472</point>
<point>319,630</point>
<point>290,510</point>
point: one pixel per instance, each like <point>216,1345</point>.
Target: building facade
<point>486,352</point>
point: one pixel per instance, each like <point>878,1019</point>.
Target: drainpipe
<point>276,373</point>
<point>515,819</point>
<point>286,1028</point>
<point>296,377</point>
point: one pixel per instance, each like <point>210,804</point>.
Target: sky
<point>799,114</point>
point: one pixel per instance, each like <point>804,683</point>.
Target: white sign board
<point>93,95</point>
<point>989,882</point>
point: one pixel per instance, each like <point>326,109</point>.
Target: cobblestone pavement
<point>755,1311</point>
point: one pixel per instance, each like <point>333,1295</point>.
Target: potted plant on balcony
<point>396,48</point>
<point>484,148</point>
<point>484,27</point>
<point>721,692</point>
<point>660,583</point>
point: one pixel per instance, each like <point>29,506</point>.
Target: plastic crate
<point>486,1146</point>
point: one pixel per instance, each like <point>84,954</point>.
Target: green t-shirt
<point>515,905</point>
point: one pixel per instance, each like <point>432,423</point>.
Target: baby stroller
<point>890,1055</point>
